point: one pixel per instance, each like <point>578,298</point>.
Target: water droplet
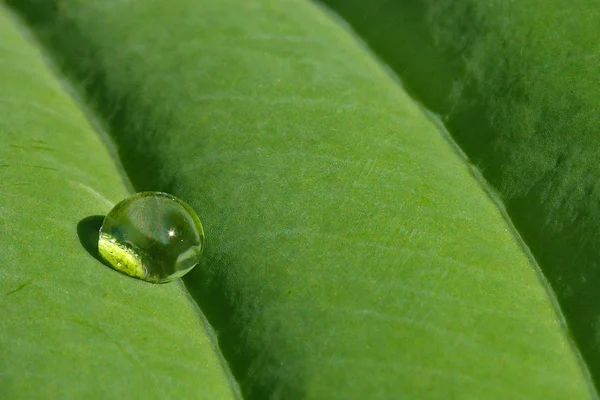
<point>152,236</point>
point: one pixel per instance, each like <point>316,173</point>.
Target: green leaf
<point>351,250</point>
<point>516,84</point>
<point>71,327</point>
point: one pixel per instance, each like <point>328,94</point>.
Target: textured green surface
<point>517,85</point>
<point>350,251</point>
<point>69,326</point>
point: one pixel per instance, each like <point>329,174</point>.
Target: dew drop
<point>152,236</point>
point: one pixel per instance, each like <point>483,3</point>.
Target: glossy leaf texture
<point>351,251</point>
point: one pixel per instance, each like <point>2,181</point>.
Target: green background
<point>353,249</point>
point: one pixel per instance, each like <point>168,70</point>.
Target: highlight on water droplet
<point>153,236</point>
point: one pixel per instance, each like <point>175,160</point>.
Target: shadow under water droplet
<point>88,232</point>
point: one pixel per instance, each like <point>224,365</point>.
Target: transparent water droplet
<point>152,236</point>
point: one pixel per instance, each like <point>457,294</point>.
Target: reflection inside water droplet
<point>152,236</point>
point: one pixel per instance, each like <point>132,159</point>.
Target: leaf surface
<point>71,327</point>
<point>516,84</point>
<point>351,251</point>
